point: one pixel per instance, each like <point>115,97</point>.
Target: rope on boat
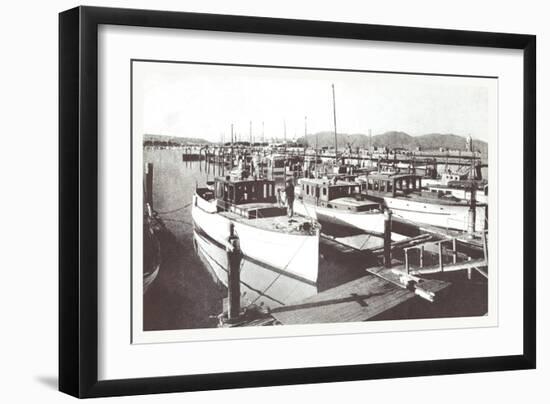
<point>178,221</point>
<point>257,291</point>
<point>284,269</point>
<point>166,212</point>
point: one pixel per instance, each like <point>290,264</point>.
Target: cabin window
<point>265,191</point>
<point>307,189</point>
<point>324,192</point>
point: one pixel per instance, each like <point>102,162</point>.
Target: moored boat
<point>403,194</point>
<point>288,246</point>
<point>338,203</point>
<point>151,250</point>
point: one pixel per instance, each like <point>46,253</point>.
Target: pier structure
<point>403,277</point>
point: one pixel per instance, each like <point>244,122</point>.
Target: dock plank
<point>357,300</point>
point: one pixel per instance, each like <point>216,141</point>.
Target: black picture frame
<point>78,196</point>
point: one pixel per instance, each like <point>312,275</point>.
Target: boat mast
<point>305,129</point>
<point>284,140</point>
<point>335,132</point>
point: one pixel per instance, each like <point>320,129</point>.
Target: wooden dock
<point>357,300</point>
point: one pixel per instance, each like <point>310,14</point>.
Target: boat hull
<point>368,222</point>
<point>448,216</point>
<point>259,285</point>
<point>293,255</point>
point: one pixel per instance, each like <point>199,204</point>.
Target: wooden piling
<point>149,184</point>
<point>455,253</point>
<point>233,278</point>
<point>387,238</point>
<point>441,256</point>
<point>485,252</point>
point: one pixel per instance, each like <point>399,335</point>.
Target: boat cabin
<point>247,197</point>
<point>231,191</point>
<point>275,165</point>
<point>335,194</point>
<point>392,183</point>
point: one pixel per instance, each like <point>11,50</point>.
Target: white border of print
<point>145,69</point>
<point>119,358</point>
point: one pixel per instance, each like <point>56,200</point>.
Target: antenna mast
<point>335,132</point>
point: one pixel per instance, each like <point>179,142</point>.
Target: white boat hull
<point>454,217</point>
<point>369,222</point>
<point>259,285</point>
<point>290,254</point>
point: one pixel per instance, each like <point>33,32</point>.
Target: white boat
<point>338,203</point>
<point>463,193</point>
<point>289,247</point>
<point>403,194</point>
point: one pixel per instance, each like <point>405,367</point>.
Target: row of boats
<point>289,246</point>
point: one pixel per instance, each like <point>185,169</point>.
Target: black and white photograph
<point>277,196</point>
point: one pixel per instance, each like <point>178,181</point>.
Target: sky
<point>203,101</point>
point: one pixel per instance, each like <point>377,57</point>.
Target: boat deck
<point>297,225</point>
<point>355,203</point>
<point>424,197</point>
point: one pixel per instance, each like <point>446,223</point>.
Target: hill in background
<point>395,140</point>
<point>392,140</point>
<point>172,140</point>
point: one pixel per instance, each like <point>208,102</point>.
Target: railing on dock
<point>466,261</point>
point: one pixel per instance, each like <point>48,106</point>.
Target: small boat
<point>151,251</point>
<point>404,195</point>
<point>287,246</point>
<point>338,203</point>
<point>275,165</point>
<point>462,190</point>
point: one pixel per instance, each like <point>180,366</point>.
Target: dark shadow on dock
<point>360,299</point>
<point>463,298</point>
<point>338,266</point>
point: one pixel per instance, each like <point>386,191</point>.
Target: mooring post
<point>387,238</point>
<point>454,251</point>
<point>233,278</point>
<point>441,256</point>
<point>149,184</point>
<point>472,211</point>
<point>485,252</point>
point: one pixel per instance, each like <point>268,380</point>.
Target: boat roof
<point>391,176</point>
<point>350,201</point>
<point>326,181</point>
<point>237,180</point>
